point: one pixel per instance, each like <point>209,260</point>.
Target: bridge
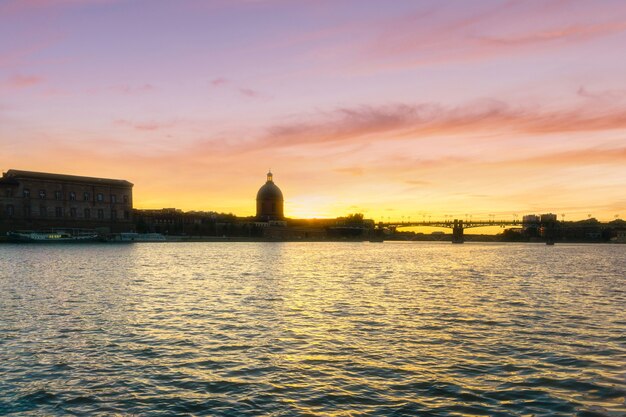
<point>459,225</point>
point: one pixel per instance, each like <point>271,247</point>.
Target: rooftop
<point>15,174</point>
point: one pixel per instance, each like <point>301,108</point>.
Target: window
<point>26,193</point>
<point>27,211</point>
<point>43,211</point>
<point>100,197</point>
<point>10,210</point>
<point>57,195</point>
<point>87,213</point>
<point>125,198</point>
<point>9,192</point>
<point>126,215</point>
<point>113,198</point>
<point>73,212</point>
<point>58,211</point>
<point>100,214</point>
<point>42,194</point>
<point>72,196</point>
<point>86,196</point>
<point>113,214</point>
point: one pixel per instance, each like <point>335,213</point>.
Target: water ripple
<point>328,329</point>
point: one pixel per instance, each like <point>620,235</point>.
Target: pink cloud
<point>566,33</point>
<point>144,126</point>
<point>577,157</point>
<point>591,156</point>
<point>23,81</point>
<point>410,121</point>
<point>132,90</point>
<point>437,36</point>
<point>216,82</point>
<point>248,92</point>
<point>244,91</point>
<point>610,95</point>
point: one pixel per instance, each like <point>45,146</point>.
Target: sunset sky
<point>390,108</point>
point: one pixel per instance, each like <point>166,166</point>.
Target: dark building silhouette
<point>269,201</point>
<point>37,200</point>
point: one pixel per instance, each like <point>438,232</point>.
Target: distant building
<point>548,218</point>
<point>530,219</point>
<point>172,221</point>
<point>269,201</point>
<point>38,200</point>
<point>530,225</point>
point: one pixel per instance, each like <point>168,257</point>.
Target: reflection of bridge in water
<point>458,226</point>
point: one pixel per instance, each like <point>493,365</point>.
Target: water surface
<point>313,329</point>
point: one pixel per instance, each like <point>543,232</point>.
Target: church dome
<point>269,191</point>
<point>269,201</point>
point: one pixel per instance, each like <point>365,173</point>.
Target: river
<point>313,329</point>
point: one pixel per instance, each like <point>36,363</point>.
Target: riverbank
<point>447,238</point>
<point>183,239</point>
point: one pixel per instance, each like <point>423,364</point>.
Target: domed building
<point>269,201</point>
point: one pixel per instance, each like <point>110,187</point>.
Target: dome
<point>269,191</point>
<point>269,201</point>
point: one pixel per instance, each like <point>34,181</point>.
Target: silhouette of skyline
<point>404,109</point>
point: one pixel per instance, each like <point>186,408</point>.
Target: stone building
<point>269,201</point>
<point>36,200</point>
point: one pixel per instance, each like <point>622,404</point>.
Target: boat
<point>53,236</point>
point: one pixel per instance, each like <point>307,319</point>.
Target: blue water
<point>313,329</point>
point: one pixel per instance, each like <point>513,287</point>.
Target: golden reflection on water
<point>331,328</point>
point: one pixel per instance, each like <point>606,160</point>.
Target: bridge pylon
<point>457,231</point>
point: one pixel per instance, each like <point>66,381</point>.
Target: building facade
<point>36,200</point>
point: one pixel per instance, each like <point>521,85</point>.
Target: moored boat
<point>52,236</point>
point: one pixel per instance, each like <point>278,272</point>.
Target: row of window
<point>59,212</point>
<point>58,195</point>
